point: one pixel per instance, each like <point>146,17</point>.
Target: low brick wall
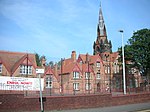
<point>130,99</point>
<point>20,103</point>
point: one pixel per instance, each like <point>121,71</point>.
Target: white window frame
<point>76,86</point>
<point>0,68</point>
<point>88,86</point>
<point>23,69</point>
<point>98,75</point>
<point>87,75</point>
<point>49,81</point>
<point>76,75</point>
<point>98,64</point>
<point>107,69</point>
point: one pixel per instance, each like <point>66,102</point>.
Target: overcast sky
<point>55,28</point>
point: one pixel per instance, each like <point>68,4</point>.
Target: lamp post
<point>124,78</point>
<point>40,71</point>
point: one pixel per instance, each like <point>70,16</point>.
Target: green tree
<point>138,51</point>
<point>37,56</point>
<point>51,64</point>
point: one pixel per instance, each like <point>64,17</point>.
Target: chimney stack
<point>43,61</point>
<point>73,56</point>
<point>87,58</point>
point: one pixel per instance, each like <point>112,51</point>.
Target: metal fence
<point>113,87</point>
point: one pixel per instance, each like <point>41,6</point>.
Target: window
<point>49,81</point>
<point>75,86</point>
<point>97,64</point>
<point>115,68</point>
<point>98,75</point>
<point>88,86</point>
<point>76,75</point>
<point>80,62</point>
<point>87,75</point>
<point>0,68</point>
<point>23,69</point>
<point>107,69</point>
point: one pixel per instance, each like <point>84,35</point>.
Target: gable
<point>26,62</point>
<point>48,71</point>
<point>76,69</point>
<point>12,60</point>
<point>79,59</point>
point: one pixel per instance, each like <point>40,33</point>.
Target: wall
<point>20,103</point>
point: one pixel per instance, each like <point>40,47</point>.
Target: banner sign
<point>20,83</point>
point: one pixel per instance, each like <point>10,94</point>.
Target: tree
<point>37,59</point>
<point>138,51</point>
<point>51,64</point>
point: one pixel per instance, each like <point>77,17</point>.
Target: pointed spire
<point>101,21</point>
<point>100,15</point>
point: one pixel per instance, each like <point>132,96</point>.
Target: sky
<point>55,28</point>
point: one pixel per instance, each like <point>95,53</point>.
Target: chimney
<point>73,56</point>
<point>43,61</point>
<point>87,58</point>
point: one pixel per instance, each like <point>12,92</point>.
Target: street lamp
<point>124,78</point>
<point>40,71</point>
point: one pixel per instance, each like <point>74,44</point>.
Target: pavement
<point>140,107</point>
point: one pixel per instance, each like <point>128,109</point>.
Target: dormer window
<point>24,69</point>
<point>76,75</point>
<point>0,68</point>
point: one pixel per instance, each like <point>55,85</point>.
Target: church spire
<point>101,45</point>
<point>101,24</point>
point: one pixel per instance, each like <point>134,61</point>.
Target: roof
<point>95,58</point>
<point>70,67</point>
<point>12,60</point>
<point>92,58</point>
<point>48,70</point>
<point>114,56</point>
<point>86,68</point>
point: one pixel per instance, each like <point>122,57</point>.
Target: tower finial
<point>100,4</point>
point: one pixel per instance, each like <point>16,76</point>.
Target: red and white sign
<point>20,83</point>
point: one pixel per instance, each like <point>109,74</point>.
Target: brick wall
<point>20,103</point>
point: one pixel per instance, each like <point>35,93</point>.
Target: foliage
<point>138,50</point>
<point>51,64</point>
<point>37,56</point>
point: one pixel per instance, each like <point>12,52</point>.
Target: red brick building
<point>17,64</point>
<point>112,67</point>
<point>100,72</point>
<point>83,75</point>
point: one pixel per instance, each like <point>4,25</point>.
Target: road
<point>141,107</point>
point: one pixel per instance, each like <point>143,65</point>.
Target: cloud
<point>52,27</point>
